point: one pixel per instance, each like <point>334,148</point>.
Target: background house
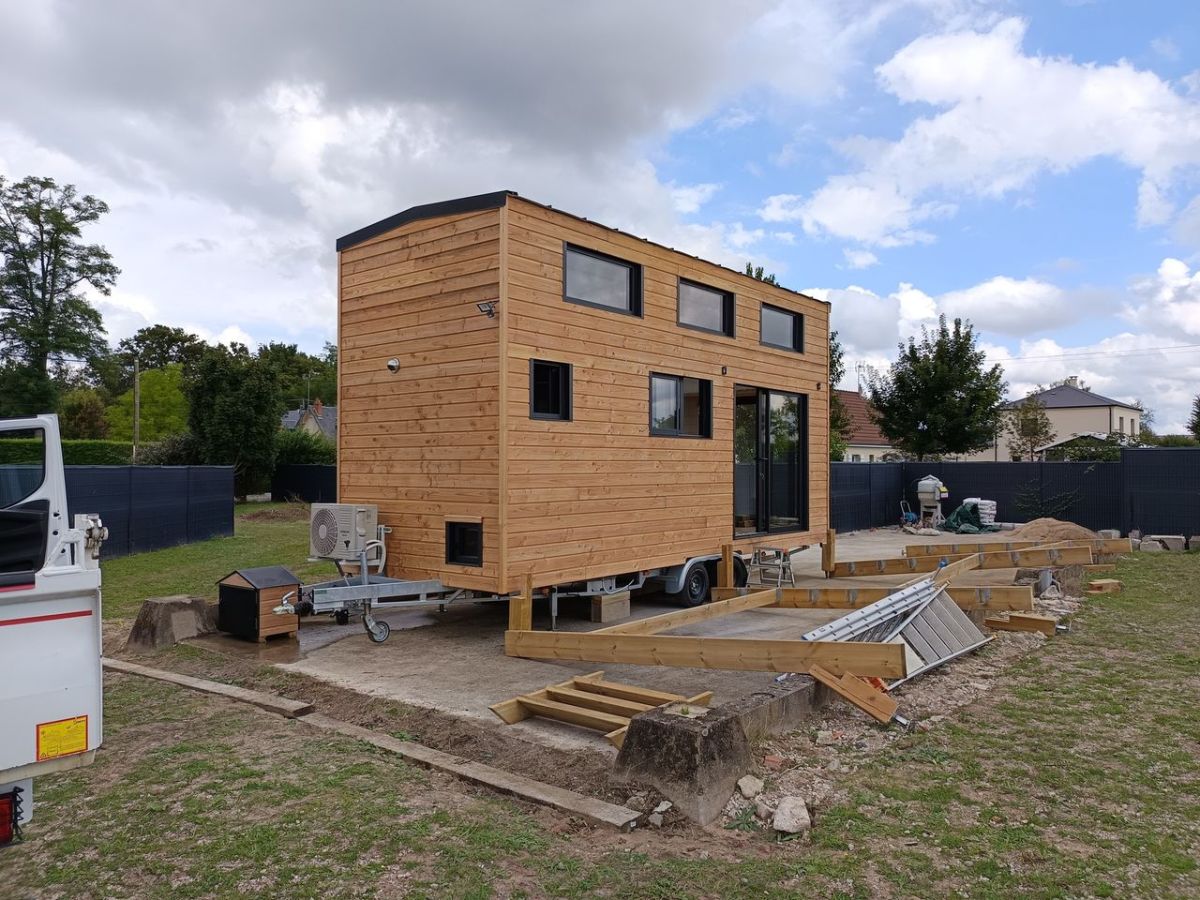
<point>1073,411</point>
<point>315,419</point>
<point>866,443</point>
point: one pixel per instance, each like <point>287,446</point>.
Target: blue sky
<point>1030,166</point>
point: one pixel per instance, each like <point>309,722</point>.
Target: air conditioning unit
<point>341,530</point>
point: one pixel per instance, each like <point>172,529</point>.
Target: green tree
<point>938,397</point>
<point>1028,427</point>
<point>164,408</point>
<point>234,410</point>
<point>25,390</point>
<point>839,416</point>
<point>757,272</point>
<point>1194,421</point>
<point>44,268</point>
<point>297,447</point>
<point>81,415</point>
<point>302,376</point>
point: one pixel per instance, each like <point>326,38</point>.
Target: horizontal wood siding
<point>423,443</point>
<point>598,495</point>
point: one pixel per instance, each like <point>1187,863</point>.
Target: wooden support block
<point>829,553</point>
<point>610,607</point>
<point>520,608</point>
<point>667,621</point>
<point>874,703</point>
<point>741,654</point>
<point>599,702</point>
<point>1105,586</point>
<point>725,569</point>
<point>1024,622</point>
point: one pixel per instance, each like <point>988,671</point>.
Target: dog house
<point>524,391</point>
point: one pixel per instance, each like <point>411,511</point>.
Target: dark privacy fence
<point>151,507</point>
<point>1154,490</point>
<point>310,483</point>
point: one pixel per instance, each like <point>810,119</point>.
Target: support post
<point>520,608</point>
<point>829,553</point>
<point>725,576</point>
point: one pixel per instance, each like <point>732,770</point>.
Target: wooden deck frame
<point>666,621</point>
<point>996,598</point>
<point>1100,546</point>
<point>1001,559</point>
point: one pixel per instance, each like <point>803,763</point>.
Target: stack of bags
<point>987,509</point>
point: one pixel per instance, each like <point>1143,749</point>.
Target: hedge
<point>75,453</point>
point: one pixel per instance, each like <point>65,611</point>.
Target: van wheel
<point>695,586</point>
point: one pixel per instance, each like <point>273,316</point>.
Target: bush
<point>176,450</point>
<point>75,453</point>
<point>300,448</point>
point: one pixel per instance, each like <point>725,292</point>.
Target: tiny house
<point>522,390</point>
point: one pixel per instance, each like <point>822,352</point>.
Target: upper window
<point>597,279</point>
<point>680,407</point>
<point>464,543</point>
<point>782,328</point>
<point>705,308</point>
<point>549,390</point>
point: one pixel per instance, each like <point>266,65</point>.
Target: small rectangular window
<point>705,308</point>
<point>549,390</point>
<point>597,279</point>
<point>464,543</point>
<point>1121,426</point>
<point>782,328</point>
<point>680,406</point>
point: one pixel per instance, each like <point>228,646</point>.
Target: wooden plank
<point>570,802</point>
<point>520,608</point>
<point>282,705</point>
<point>829,553</point>
<point>1105,586</point>
<point>742,654</point>
<point>993,597</point>
<point>511,711</point>
<point>853,689</point>
<point>564,712</point>
<point>1024,622</point>
<point>628,692</point>
<point>1011,559</point>
<point>725,572</point>
<point>1001,597</point>
<point>946,574</point>
<point>599,702</point>
<point>666,621</point>
<point>1099,546</point>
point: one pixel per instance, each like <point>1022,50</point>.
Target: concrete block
<point>1135,543</point>
<point>1109,533</point>
<point>779,707</point>
<point>165,621</point>
<point>1149,546</point>
<point>610,607</point>
<point>1136,534</point>
<point>1194,542</point>
<point>693,759</point>
<point>1173,542</point>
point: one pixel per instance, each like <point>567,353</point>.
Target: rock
<point>654,819</point>
<point>1172,542</point>
<point>1151,547</point>
<point>1135,543</point>
<point>774,762</point>
<point>763,809</point>
<point>749,786</point>
<point>824,739</point>
<point>165,621</point>
<point>1136,534</point>
<point>791,816</point>
<point>1051,593</point>
<point>1194,542</point>
<point>1111,534</point>
<point>662,807</point>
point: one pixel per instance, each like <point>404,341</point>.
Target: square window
<point>680,406</point>
<point>549,390</point>
<point>705,308</point>
<point>464,543</point>
<point>597,279</point>
<point>782,328</point>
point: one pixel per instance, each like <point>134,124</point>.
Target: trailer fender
<point>673,576</point>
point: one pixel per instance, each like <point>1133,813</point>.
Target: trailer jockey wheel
<point>342,617</point>
<point>696,583</point>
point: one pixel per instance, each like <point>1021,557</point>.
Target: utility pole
<point>137,404</point>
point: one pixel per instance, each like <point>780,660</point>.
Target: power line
<point>1105,353</point>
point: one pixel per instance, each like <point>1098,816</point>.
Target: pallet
<point>591,702</point>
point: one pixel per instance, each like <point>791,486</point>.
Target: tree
<point>164,408</point>
<point>1146,433</point>
<point>302,377</point>
<point>81,415</point>
<point>234,413</point>
<point>839,416</point>
<point>1194,421</point>
<point>44,268</point>
<point>24,391</point>
<point>1028,427</point>
<point>938,398</point>
<point>757,272</point>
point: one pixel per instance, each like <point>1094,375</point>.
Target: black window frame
<point>706,417</point>
<point>636,305</point>
<point>566,375</point>
<point>452,558</point>
<point>797,328</point>
<point>728,308</point>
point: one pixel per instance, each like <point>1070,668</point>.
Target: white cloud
<point>1015,307</point>
<point>1166,48</point>
<point>689,198</point>
<point>1006,118</point>
<point>1168,302</point>
<point>859,259</point>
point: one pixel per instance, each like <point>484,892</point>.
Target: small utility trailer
<point>51,705</point>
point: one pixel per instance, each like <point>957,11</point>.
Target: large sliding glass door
<point>770,461</point>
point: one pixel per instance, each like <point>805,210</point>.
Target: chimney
<point>1069,381</point>
<point>317,407</point>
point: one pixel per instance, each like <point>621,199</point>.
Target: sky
<point>1033,167</point>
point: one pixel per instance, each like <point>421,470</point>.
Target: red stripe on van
<point>28,619</point>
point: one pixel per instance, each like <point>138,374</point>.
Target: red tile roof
<point>862,429</point>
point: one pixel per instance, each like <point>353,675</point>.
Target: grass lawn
<point>258,540</point>
<point>1078,776</point>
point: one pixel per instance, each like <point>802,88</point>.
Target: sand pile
<point>1053,530</point>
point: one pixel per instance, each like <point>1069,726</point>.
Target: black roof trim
<point>477,203</point>
<point>266,576</point>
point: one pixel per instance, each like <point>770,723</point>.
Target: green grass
<point>195,568</point>
<point>1078,775</point>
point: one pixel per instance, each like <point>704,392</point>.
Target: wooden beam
<point>666,621</point>
<point>875,704</point>
<point>725,570</point>
<point>1024,622</point>
<point>946,574</point>
<point>511,711</point>
<point>564,712</point>
<point>520,608</point>
<point>829,553</point>
<point>743,654</point>
<point>1000,598</point>
<point>1010,559</point>
<point>1099,546</point>
<point>614,705</point>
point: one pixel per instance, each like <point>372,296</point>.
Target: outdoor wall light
<point>393,365</point>
<point>488,308</point>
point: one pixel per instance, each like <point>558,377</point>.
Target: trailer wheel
<point>342,617</point>
<point>741,574</point>
<point>695,586</point>
<point>380,632</point>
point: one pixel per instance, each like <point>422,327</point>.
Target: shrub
<point>75,453</point>
<point>298,447</point>
<point>176,450</point>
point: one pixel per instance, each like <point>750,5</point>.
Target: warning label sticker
<point>62,738</point>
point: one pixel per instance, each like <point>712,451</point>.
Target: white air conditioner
<point>341,530</point>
